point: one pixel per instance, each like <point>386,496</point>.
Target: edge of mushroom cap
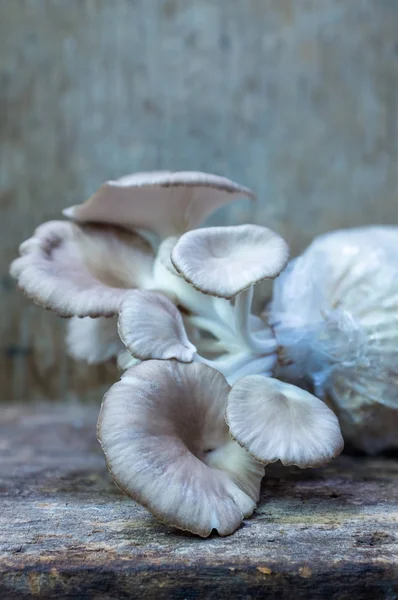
<point>49,236</point>
<point>312,465</point>
<point>244,287</point>
<point>169,315</point>
<point>309,465</point>
<point>181,179</point>
<point>163,179</point>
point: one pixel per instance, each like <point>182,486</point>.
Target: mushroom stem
<point>224,310</point>
<point>264,365</point>
<point>243,302</point>
<point>168,283</point>
<point>210,346</point>
<point>228,364</point>
<point>219,330</point>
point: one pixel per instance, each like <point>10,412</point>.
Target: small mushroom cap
<point>151,326</point>
<point>93,340</point>
<point>166,202</point>
<point>167,445</point>
<point>279,421</point>
<point>223,261</point>
<point>82,270</point>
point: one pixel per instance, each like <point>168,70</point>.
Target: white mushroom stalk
<point>258,343</point>
<point>172,305</point>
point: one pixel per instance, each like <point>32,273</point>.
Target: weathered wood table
<point>67,532</point>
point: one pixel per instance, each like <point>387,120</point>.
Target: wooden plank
<point>67,532</point>
<point>297,99</point>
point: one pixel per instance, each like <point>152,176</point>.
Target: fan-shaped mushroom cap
<point>223,261</point>
<point>82,270</point>
<point>167,445</point>
<point>151,326</point>
<point>279,421</point>
<point>166,202</point>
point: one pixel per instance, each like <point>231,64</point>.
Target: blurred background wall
<point>296,98</point>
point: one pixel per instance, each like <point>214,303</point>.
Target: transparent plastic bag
<point>335,315</point>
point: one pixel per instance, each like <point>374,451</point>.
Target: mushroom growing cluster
<point>198,412</point>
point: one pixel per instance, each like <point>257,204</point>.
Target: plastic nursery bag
<point>335,315</point>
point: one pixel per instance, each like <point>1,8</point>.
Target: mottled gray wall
<point>296,98</point>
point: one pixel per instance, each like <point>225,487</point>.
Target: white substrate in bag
<point>335,316</point>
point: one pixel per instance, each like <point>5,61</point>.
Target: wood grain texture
<point>67,532</point>
<point>298,100</point>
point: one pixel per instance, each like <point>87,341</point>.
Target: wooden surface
<point>67,532</point>
<point>298,100</point>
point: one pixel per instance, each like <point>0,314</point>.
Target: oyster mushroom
<point>168,203</point>
<point>151,326</point>
<point>82,271</point>
<point>224,261</point>
<point>167,445</point>
<point>227,262</point>
<point>86,267</point>
<point>279,421</point>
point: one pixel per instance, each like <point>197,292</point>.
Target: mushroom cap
<point>279,421</point>
<point>151,326</point>
<point>223,261</point>
<point>167,445</point>
<point>82,270</point>
<point>166,202</point>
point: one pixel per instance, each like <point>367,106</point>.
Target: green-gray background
<point>296,98</point>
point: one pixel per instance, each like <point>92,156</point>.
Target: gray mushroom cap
<point>274,421</point>
<point>82,271</point>
<point>151,326</point>
<point>223,261</point>
<point>168,203</point>
<point>167,445</point>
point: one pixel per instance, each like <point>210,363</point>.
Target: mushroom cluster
<point>197,412</point>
